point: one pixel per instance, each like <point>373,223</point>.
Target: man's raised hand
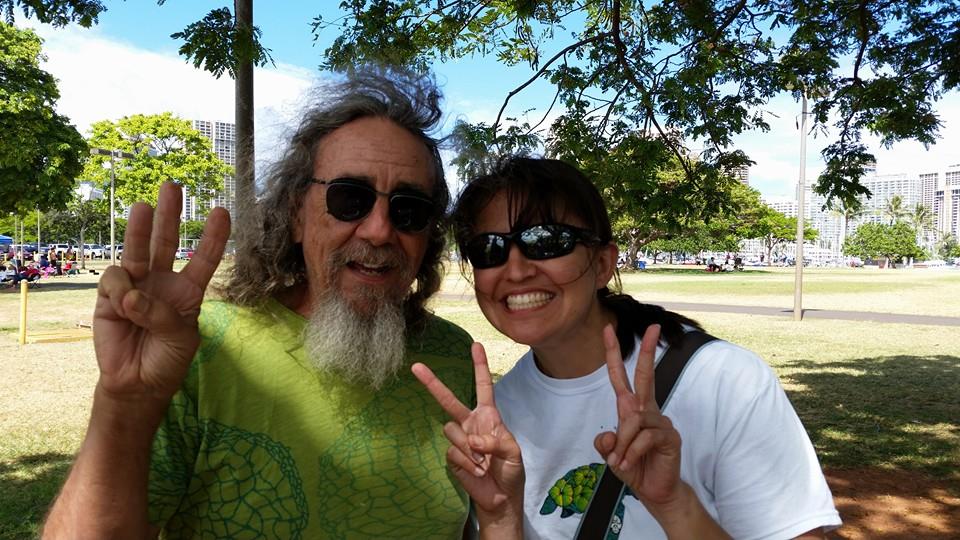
<point>145,320</point>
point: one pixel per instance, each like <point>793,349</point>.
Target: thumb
<point>605,443</point>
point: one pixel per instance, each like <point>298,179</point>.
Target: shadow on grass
<point>28,485</point>
<point>900,412</point>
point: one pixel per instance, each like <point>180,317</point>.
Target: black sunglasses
<point>538,242</point>
<point>350,200</point>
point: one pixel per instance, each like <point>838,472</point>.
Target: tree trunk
<point>243,117</point>
<point>83,254</point>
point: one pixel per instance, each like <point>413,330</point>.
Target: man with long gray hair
<point>286,409</point>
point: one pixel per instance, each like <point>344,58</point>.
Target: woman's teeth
<point>528,300</point>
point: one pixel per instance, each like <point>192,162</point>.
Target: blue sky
<point>129,64</point>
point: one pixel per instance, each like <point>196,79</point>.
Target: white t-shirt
<point>745,452</point>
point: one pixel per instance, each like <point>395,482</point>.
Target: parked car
<point>60,249</point>
<point>184,253</point>
<point>108,248</point>
<point>29,249</point>
<point>93,251</point>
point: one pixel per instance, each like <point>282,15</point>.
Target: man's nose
<point>376,226</point>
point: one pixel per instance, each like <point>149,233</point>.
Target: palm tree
<point>845,214</point>
<point>894,209</point>
<point>921,219</point>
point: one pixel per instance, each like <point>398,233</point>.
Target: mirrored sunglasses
<point>539,242</point>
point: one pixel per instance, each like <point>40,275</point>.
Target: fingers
<point>501,445</point>
<point>468,451</point>
<point>154,315</point>
<point>615,369</point>
<point>645,442</point>
<point>166,227</point>
<point>445,398</point>
<point>113,286</point>
<point>481,373</point>
<point>641,426</point>
<point>205,260</point>
<point>458,460</point>
<point>474,461</point>
<point>643,377</point>
<point>136,241</point>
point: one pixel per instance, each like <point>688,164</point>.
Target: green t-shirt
<point>258,444</point>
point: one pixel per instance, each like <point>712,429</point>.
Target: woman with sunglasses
<point>729,459</point>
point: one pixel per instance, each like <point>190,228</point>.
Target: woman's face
<point>540,302</point>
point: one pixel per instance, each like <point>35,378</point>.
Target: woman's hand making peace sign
<point>484,456</point>
<point>645,451</point>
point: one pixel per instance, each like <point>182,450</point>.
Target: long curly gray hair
<point>267,259</point>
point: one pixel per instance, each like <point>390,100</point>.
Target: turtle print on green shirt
<point>246,486</point>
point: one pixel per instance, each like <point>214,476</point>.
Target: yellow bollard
<point>23,311</point>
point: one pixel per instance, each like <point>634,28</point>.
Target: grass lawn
<point>870,394</point>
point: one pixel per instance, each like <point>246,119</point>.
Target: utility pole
<point>801,187</point>
<point>113,179</point>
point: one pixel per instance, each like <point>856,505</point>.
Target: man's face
<point>367,260</point>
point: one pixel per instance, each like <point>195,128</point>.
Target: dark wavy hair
<point>544,191</point>
<point>267,259</point>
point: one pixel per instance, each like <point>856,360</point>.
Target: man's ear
<point>606,263</point>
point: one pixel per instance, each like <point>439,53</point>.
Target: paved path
<point>901,318</point>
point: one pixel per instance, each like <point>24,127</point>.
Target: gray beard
<point>362,348</point>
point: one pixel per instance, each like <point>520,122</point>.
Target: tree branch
<point>540,72</point>
<point>628,72</point>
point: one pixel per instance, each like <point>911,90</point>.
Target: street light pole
<point>113,214</point>
<point>801,188</point>
<point>113,179</point>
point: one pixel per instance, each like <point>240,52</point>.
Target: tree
<point>891,242</point>
<point>41,153</point>
<point>845,214</point>
<point>224,42</point>
<point>165,148</point>
<point>948,247</point>
<point>79,220</point>
<point>220,42</point>
<point>894,209</point>
<point>921,219</point>
<point>695,71</point>
<point>55,12</point>
<point>640,181</point>
<point>776,229</point>
<point>478,148</point>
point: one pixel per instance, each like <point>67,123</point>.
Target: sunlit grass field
<point>870,394</point>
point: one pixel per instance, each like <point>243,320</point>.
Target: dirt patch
<point>892,505</point>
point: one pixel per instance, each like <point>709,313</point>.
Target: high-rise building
<point>946,203</point>
<point>928,186</point>
<point>222,136</point>
<point>742,174</point>
<point>883,188</point>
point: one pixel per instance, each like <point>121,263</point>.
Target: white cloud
<point>102,78</point>
<point>777,152</point>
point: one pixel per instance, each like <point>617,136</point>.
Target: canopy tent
<point>5,239</point>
